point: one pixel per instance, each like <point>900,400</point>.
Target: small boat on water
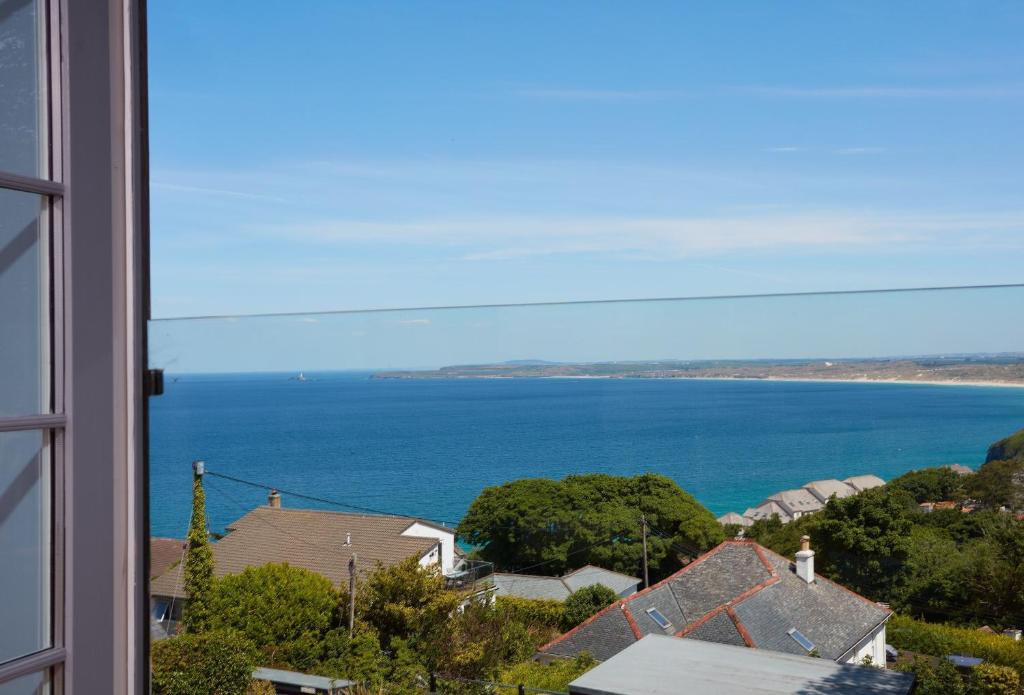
<point>300,377</point>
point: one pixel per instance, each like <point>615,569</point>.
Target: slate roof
<point>737,584</point>
<point>798,501</point>
<point>734,518</point>
<point>824,489</point>
<point>766,510</point>
<point>559,588</point>
<point>308,538</point>
<point>864,482</point>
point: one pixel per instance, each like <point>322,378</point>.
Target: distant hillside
<point>1009,449</point>
<point>958,369</point>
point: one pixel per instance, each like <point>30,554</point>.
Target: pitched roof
<point>164,553</point>
<point>658,665</point>
<point>824,489</point>
<point>734,518</point>
<point>798,501</point>
<point>308,538</point>
<point>766,510</point>
<point>864,482</point>
<point>741,584</point>
<point>559,588</point>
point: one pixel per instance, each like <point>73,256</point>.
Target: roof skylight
<point>799,638</point>
<point>657,617</point>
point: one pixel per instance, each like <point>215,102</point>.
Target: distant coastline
<point>1003,371</point>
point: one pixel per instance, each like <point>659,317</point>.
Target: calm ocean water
<point>427,448</point>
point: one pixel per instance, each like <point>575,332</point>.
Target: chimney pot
<point>274,499</point>
<point>805,560</point>
<point>348,539</point>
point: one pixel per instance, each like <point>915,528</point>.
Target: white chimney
<point>348,539</point>
<point>805,560</point>
<point>1013,634</point>
<point>274,499</point>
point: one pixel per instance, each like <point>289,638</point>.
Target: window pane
<point>22,102</point>
<point>32,684</point>
<point>24,342</point>
<point>25,541</point>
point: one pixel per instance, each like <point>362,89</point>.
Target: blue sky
<point>315,156</point>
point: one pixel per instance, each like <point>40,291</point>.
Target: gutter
<point>878,625</point>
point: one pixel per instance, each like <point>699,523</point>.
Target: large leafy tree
<point>931,484</point>
<point>550,527</point>
<point>864,541</point>
<point>198,563</point>
<point>285,611</point>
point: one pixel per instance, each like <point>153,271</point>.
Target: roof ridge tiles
<point>632,621</point>
<point>740,627</point>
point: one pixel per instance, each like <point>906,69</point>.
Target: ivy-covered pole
<point>199,560</point>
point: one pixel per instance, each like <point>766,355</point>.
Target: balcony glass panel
<point>24,305</point>
<point>25,544</point>
<point>23,130</point>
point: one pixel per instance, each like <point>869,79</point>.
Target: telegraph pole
<point>351,594</point>
<point>643,523</point>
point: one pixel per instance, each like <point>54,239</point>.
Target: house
<point>559,588</point>
<point>864,482</point>
<point>734,518</point>
<point>293,683</point>
<point>324,542</point>
<point>825,489</point>
<point>798,502</point>
<point>164,553</point>
<point>790,505</point>
<point>741,594</point>
<point>766,510</point>
<point>662,665</point>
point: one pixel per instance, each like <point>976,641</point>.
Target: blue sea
<point>427,448</point>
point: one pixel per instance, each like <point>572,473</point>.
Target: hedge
<point>209,663</point>
<point>533,612</point>
<point>941,640</point>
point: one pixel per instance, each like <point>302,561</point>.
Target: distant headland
<point>965,370</point>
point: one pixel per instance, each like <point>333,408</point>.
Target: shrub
<point>285,611</point>
<point>585,602</point>
<point>988,679</point>
<point>261,688</point>
<point>210,663</point>
<point>554,676</point>
<point>941,680</point>
<point>532,612</point>
<point>941,640</point>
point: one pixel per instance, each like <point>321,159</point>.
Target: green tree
<point>989,679</point>
<point>285,611</point>
<point>864,541</point>
<point>198,564</point>
<point>999,483</point>
<point>1009,449</point>
<point>934,680</point>
<point>931,484</point>
<point>584,602</point>
<point>555,526</point>
<point>405,601</point>
<point>209,663</point>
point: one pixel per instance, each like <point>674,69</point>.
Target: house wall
<point>629,591</point>
<point>447,539</point>
<point>873,645</point>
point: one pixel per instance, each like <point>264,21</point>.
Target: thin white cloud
<point>859,150</point>
<point>787,148</point>
<point>414,322</point>
<point>221,192</point>
<point>308,319</point>
<point>654,238</point>
<point>884,92</point>
<point>607,95</point>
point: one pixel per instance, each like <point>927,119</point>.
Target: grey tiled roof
<point>738,593</point>
<point>559,588</point>
<point>798,501</point>
<point>589,575</point>
<point>864,482</point>
<point>823,489</point>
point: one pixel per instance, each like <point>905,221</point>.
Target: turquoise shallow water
<point>427,448</point>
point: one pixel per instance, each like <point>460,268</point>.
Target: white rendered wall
<point>447,539</point>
